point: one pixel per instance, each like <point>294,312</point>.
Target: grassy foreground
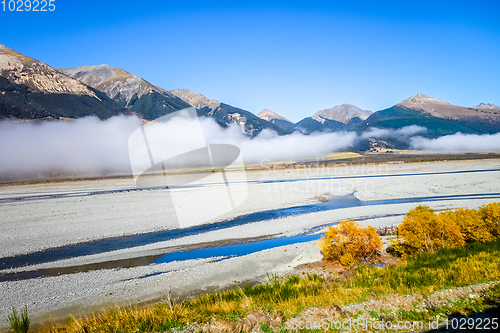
<point>423,274</point>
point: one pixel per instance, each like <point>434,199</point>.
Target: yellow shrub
<point>398,247</point>
<point>471,224</point>
<point>424,231</point>
<point>491,216</point>
<point>349,242</point>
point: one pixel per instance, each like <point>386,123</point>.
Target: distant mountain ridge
<point>31,89</point>
<point>142,97</point>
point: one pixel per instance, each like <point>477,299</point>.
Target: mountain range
<point>225,114</point>
<point>31,90</point>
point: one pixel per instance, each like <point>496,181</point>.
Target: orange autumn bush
<point>472,226</point>
<point>425,231</point>
<point>349,242</point>
<point>422,230</point>
<point>491,215</point>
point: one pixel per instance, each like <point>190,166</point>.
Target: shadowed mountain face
<point>128,90</point>
<point>250,124</point>
<point>310,125</point>
<point>30,89</point>
<point>343,117</point>
<point>225,114</point>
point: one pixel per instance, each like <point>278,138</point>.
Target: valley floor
<point>72,247</point>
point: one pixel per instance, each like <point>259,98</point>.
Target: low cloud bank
<point>458,142</point>
<point>86,144</point>
<point>89,145</point>
<point>92,145</point>
<point>401,133</point>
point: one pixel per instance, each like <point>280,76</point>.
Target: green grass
<point>428,272</point>
<point>19,324</point>
<point>422,274</point>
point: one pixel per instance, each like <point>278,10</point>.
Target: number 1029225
<point>28,5</point>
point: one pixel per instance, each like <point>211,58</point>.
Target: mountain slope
<point>31,89</point>
<point>480,120</point>
<point>196,100</point>
<point>225,114</point>
<point>276,119</point>
<point>343,113</point>
<point>128,90</point>
<point>398,117</point>
<point>440,118</point>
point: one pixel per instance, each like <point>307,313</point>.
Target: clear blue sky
<point>293,57</point>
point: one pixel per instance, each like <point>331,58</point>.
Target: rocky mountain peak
<point>96,75</point>
<point>269,115</point>
<point>421,98</point>
<point>342,113</point>
<point>116,83</point>
<point>441,109</point>
<point>487,106</point>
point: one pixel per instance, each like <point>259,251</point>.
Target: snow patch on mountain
<point>318,118</point>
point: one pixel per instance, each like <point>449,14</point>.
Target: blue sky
<point>293,57</point>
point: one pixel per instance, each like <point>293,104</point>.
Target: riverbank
<point>459,281</point>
